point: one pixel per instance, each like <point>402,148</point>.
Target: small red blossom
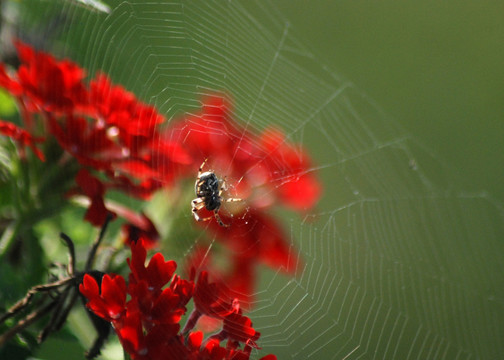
<point>213,351</point>
<point>109,303</point>
<point>183,288</point>
<point>89,144</point>
<point>157,273</point>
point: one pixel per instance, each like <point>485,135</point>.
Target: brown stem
<point>27,321</point>
<point>96,244</point>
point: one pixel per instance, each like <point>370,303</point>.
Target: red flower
<point>89,144</point>
<point>50,84</point>
<point>104,127</point>
<point>22,137</point>
<point>213,351</point>
<point>109,303</point>
<point>183,288</point>
<point>239,328</point>
<point>130,331</point>
<point>297,185</point>
<point>269,169</point>
<point>257,236</point>
<point>148,324</point>
<point>93,188</point>
<point>157,273</point>
<point>144,231</point>
<point>135,121</point>
<point>263,170</point>
<point>9,84</point>
<point>210,298</point>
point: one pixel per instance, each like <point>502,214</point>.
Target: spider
<point>208,194</point>
<point>58,298</point>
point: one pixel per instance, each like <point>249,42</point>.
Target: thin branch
<point>97,242</point>
<point>21,304</point>
<point>58,316</point>
<point>31,318</point>
<point>71,250</point>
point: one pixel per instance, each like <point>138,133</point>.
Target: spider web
<point>398,261</point>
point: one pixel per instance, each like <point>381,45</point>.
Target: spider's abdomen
<point>207,188</point>
<point>213,203</point>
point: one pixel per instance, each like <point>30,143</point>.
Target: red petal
<point>160,272</point>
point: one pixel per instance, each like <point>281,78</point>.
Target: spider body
<point>208,189</point>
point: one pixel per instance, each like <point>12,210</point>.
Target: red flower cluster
<point>102,125</point>
<point>148,323</point>
<point>263,170</point>
<point>118,143</point>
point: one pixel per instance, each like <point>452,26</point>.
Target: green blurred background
<point>437,67</point>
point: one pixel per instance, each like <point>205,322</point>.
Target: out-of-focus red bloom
<point>239,328</point>
<point>109,303</point>
<point>93,188</point>
<point>50,84</point>
<point>258,236</point>
<point>210,298</point>
<point>184,289</point>
<point>89,144</point>
<point>9,84</point>
<point>254,238</point>
<point>103,126</point>
<point>120,108</point>
<point>297,186</point>
<point>22,137</point>
<point>263,170</point>
<point>144,231</point>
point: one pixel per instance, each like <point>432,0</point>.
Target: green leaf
<point>7,104</point>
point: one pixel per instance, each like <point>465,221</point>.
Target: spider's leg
<point>233,199</point>
<point>197,203</point>
<point>223,186</point>
<point>200,170</point>
<point>198,218</point>
<point>217,217</point>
